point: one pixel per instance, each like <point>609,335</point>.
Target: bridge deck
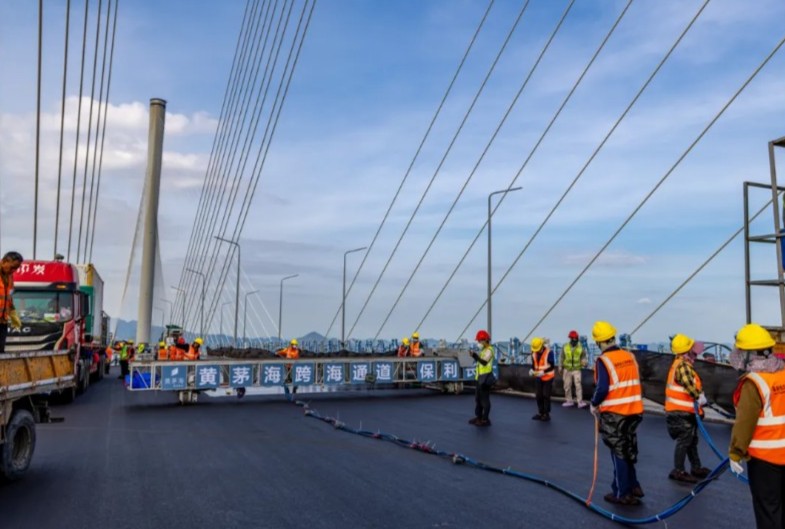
<point>138,460</point>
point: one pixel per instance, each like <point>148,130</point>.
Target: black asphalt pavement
<point>139,460</point>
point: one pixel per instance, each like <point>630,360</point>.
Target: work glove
<point>532,372</point>
<point>702,401</point>
<point>736,467</point>
<point>595,410</point>
<point>15,322</point>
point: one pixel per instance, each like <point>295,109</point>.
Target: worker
<point>758,435</point>
<point>292,352</point>
<point>124,355</point>
<point>415,349</point>
<point>194,349</point>
<point>8,315</point>
<point>483,374</point>
<point>573,359</point>
<point>682,390</point>
<point>177,351</point>
<point>163,351</point>
<point>404,349</point>
<point>543,371</point>
<point>617,404</point>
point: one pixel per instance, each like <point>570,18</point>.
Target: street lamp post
<point>222,318</point>
<point>280,304</point>
<point>171,310</point>
<point>181,291</point>
<point>237,287</point>
<point>201,306</point>
<point>163,315</point>
<point>343,302</point>
<point>245,314</point>
<point>490,277</point>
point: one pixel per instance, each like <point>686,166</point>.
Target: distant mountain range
<point>127,330</point>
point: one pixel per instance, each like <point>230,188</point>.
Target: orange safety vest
<point>6,291</point>
<point>415,348</point>
<point>192,353</point>
<point>403,351</point>
<point>109,352</point>
<point>290,352</point>
<point>163,353</point>
<point>768,439</point>
<point>540,362</point>
<point>676,397</point>
<point>624,390</point>
<point>175,353</point>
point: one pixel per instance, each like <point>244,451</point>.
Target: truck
<point>61,308</point>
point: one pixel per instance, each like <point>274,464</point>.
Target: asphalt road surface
<point>139,460</point>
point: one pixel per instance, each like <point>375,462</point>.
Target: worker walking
<point>483,375</point>
<point>416,347</point>
<point>403,349</point>
<point>758,435</point>
<point>573,359</point>
<point>8,315</point>
<point>683,389</point>
<point>617,404</point>
<point>543,369</point>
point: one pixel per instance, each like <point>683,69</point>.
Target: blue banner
<point>426,371</point>
<point>272,375</point>
<point>384,371</point>
<point>450,370</point>
<point>333,374</point>
<point>173,377</point>
<point>468,373</point>
<point>359,371</point>
<point>303,374</point>
<point>241,376</point>
<point>208,376</point>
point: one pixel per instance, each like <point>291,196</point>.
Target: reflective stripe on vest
<point>414,350</point>
<point>676,397</point>
<point>572,357</point>
<point>624,391</point>
<point>485,354</point>
<point>541,364</point>
<point>6,292</point>
<point>768,439</point>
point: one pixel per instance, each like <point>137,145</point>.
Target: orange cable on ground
<point>596,449</point>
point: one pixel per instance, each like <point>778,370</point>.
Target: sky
<point>367,84</point>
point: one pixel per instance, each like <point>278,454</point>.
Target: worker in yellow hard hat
<point>292,352</point>
<point>416,347</point>
<point>194,350</point>
<point>163,351</point>
<point>758,435</point>
<point>682,390</point>
<point>543,366</point>
<point>618,408</point>
<point>404,349</point>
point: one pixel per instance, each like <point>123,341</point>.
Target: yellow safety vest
<point>572,357</point>
<point>487,368</point>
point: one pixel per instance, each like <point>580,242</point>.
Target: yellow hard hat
<point>161,344</point>
<point>753,337</point>
<point>537,344</point>
<point>199,341</point>
<point>130,342</point>
<point>293,342</point>
<point>405,341</point>
<point>681,344</point>
<point>602,331</point>
<point>416,335</point>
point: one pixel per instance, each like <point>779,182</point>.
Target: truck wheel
<point>17,452</point>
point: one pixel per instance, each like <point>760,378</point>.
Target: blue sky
<point>368,82</point>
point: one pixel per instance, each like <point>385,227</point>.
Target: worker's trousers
<point>543,394</point>
<point>624,476</point>
<point>573,378</point>
<point>683,428</point>
<point>482,401</point>
<point>767,485</point>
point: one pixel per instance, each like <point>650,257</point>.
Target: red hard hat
<point>483,336</point>
<point>573,335</point>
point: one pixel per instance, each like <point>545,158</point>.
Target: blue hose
<point>710,442</point>
<point>458,458</point>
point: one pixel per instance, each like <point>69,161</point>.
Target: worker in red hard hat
<point>573,359</point>
<point>483,374</point>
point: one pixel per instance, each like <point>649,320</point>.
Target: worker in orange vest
<point>163,352</point>
<point>404,349</point>
<point>416,347</point>
<point>682,390</point>
<point>543,369</point>
<point>758,435</point>
<point>193,350</point>
<point>617,404</point>
<point>292,352</point>
<point>8,315</point>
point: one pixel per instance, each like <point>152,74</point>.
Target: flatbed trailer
<point>189,378</point>
<point>26,381</point>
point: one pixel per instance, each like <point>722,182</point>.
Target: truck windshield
<point>36,306</point>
